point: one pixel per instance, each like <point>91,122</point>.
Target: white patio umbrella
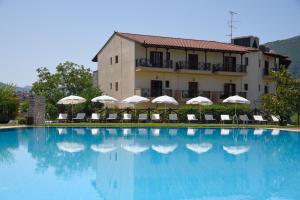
<point>165,99</point>
<point>236,99</point>
<point>200,101</point>
<point>71,100</point>
<point>70,147</point>
<point>104,99</point>
<point>135,99</point>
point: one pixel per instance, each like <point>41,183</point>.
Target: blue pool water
<point>143,163</point>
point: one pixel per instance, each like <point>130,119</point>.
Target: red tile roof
<point>184,43</point>
<point>171,42</point>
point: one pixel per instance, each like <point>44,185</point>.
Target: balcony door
<point>230,64</point>
<point>156,59</point>
<point>193,61</point>
<point>193,89</point>
<point>156,88</point>
<point>229,90</point>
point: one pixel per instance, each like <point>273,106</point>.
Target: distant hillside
<point>291,48</point>
<point>20,89</point>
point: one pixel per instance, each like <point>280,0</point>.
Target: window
<point>167,84</point>
<point>168,56</point>
<point>246,61</point>
<point>246,87</point>
<point>116,86</point>
<point>266,89</point>
<point>259,87</point>
<point>111,86</point>
<point>111,60</point>
<point>259,63</point>
<point>116,59</point>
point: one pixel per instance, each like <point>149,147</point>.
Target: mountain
<point>291,48</point>
<point>20,89</point>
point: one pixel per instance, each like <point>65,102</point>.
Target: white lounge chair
<point>225,118</point>
<point>143,117</point>
<point>79,117</point>
<point>62,117</point>
<point>244,119</point>
<point>173,117</point>
<point>275,119</point>
<point>127,117</point>
<point>95,117</point>
<point>191,118</point>
<point>209,118</point>
<point>259,118</point>
<point>155,117</point>
<point>112,117</point>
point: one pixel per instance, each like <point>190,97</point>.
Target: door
<point>156,59</point>
<point>266,69</point>
<point>193,61</point>
<point>229,90</point>
<point>230,64</point>
<point>156,88</point>
<point>193,89</point>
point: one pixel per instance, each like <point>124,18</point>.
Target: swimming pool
<point>149,163</point>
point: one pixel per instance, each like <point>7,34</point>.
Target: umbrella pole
<point>200,113</point>
<point>71,113</point>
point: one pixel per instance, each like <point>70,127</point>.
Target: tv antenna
<point>230,24</point>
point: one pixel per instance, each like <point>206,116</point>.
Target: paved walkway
<point>18,126</point>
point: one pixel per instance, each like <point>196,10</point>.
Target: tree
<point>69,79</point>
<point>285,101</point>
<point>9,103</point>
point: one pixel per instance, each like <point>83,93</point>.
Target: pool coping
<point>292,129</point>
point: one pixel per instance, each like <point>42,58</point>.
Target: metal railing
<point>192,93</point>
<point>143,62</point>
<point>229,68</point>
<point>202,66</point>
<point>147,92</point>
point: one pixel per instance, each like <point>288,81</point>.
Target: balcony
<point>151,93</point>
<point>267,73</point>
<point>188,67</point>
<point>143,64</point>
<point>232,70</point>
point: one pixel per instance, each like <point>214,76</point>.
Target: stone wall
<point>37,109</point>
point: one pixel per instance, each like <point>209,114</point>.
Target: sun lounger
<point>259,118</point>
<point>79,117</point>
<point>209,118</point>
<point>275,119</point>
<point>191,118</point>
<point>13,122</point>
<point>112,117</point>
<point>155,117</point>
<point>62,117</point>
<point>143,117</point>
<point>95,117</point>
<point>225,118</point>
<point>173,117</point>
<point>244,119</point>
<point>127,117</point>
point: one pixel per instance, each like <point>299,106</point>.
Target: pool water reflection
<point>145,163</point>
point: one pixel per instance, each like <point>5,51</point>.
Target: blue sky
<point>40,33</point>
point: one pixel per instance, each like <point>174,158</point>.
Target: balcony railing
<point>147,92</point>
<point>193,66</point>
<point>143,62</point>
<point>220,67</point>
<point>267,71</point>
<point>192,94</point>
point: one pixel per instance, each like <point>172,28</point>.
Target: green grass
<point>163,125</point>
